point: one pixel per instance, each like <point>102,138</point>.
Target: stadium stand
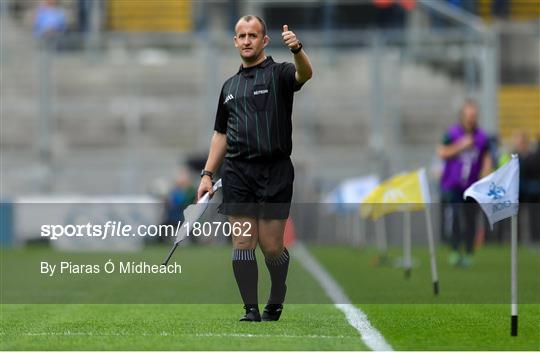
<point>149,16</point>
<point>518,10</point>
<point>519,109</point>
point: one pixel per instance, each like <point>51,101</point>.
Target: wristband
<point>206,172</point>
<point>297,50</point>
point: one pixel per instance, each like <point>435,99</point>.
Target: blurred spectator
<point>389,14</point>
<point>500,8</point>
<point>178,198</point>
<point>529,188</point>
<point>467,5</point>
<point>529,180</point>
<point>520,143</point>
<point>49,20</point>
<point>465,151</point>
<point>84,9</point>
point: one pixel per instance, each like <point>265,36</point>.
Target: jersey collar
<point>263,64</point>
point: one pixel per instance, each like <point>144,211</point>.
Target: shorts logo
<point>261,91</point>
<point>228,98</point>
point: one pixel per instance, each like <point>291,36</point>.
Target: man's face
<point>249,39</point>
<point>521,142</point>
<point>469,117</point>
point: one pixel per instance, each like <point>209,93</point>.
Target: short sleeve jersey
<point>255,109</point>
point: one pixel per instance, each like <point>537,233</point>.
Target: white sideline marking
<point>356,317</point>
<point>163,333</point>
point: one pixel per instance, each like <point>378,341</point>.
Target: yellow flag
<point>403,192</point>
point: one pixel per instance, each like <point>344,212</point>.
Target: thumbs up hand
<point>289,38</point>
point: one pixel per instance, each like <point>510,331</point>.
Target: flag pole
<point>431,242</point>
<point>514,278</point>
<point>407,265</point>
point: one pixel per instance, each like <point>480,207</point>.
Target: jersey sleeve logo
<point>228,98</point>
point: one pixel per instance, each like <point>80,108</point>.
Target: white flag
<point>498,193</point>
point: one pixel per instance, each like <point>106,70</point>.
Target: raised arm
<point>488,164</point>
<point>447,151</point>
<point>304,71</point>
<point>218,148</point>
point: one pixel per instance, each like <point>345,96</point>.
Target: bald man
<point>253,141</point>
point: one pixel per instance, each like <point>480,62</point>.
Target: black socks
<point>246,273</point>
<point>278,268</point>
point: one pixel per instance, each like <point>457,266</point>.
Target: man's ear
<point>266,40</point>
<point>234,39</point>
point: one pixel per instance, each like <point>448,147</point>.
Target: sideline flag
<point>192,213</point>
<point>403,192</point>
<point>498,193</point>
<point>498,196</point>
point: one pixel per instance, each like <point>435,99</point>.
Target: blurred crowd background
<point>118,97</point>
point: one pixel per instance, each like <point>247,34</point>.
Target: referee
<point>252,138</point>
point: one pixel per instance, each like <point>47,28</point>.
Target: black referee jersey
<point>254,110</point>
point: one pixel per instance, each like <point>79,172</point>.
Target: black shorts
<point>257,189</point>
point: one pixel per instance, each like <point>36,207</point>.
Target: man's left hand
<point>289,38</point>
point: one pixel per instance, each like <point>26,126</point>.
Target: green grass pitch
<point>470,313</point>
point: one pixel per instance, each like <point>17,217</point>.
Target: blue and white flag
<point>498,193</point>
